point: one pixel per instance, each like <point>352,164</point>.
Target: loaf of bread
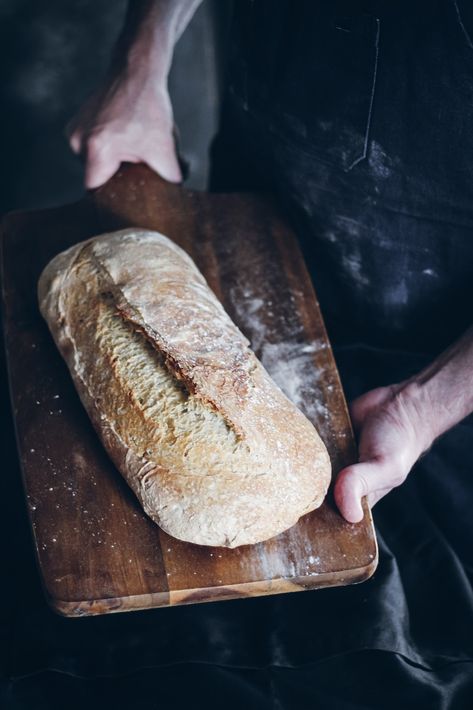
<point>214,451</point>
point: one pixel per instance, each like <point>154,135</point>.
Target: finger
<point>166,165</point>
<point>75,141</point>
<point>364,479</point>
<point>99,169</point>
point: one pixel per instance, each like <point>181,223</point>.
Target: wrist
<point>414,401</point>
<point>150,56</point>
<point>146,60</point>
<point>442,393</point>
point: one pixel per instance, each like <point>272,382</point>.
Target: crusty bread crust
<point>214,451</point>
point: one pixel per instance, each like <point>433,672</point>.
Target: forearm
<point>150,32</point>
<point>441,395</point>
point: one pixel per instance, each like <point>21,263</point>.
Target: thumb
<point>355,482</point>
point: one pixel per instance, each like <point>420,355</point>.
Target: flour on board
<point>289,362</point>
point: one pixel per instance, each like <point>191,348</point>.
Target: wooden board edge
<point>113,605</point>
<point>142,602</point>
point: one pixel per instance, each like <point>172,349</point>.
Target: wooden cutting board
<point>96,549</point>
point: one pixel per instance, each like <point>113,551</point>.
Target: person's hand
<point>128,120</point>
<point>392,435</point>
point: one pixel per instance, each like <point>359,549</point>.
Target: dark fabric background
<point>405,637</point>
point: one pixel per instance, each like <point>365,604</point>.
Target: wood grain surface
<point>97,551</point>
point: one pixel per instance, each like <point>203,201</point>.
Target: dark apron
<point>359,115</point>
